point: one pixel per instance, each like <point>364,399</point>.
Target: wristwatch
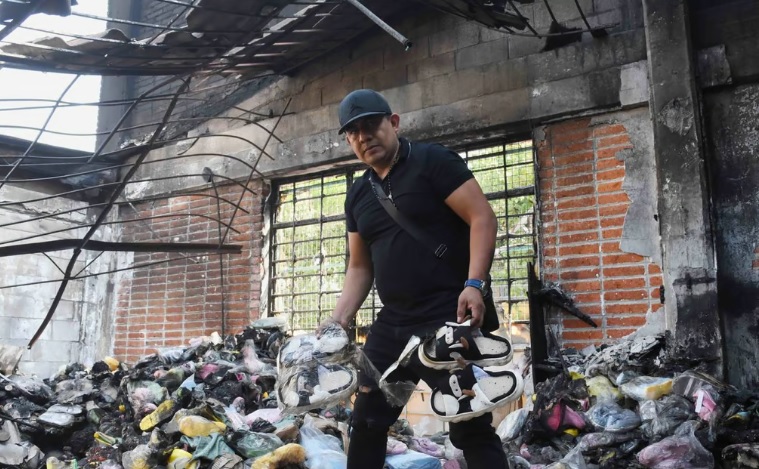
<point>481,285</point>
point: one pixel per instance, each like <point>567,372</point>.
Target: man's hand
<point>471,302</point>
<point>328,322</point>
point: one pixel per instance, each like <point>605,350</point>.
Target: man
<point>420,292</point>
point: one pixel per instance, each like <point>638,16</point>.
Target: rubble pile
<point>631,406</point>
<point>210,404</point>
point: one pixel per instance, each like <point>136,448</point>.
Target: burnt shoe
<point>454,343</point>
<point>474,391</point>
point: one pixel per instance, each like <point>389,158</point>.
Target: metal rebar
<point>407,44</point>
<point>107,246</point>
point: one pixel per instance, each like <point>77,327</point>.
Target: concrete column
<point>685,224</point>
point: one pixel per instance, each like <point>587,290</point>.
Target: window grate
<point>309,240</point>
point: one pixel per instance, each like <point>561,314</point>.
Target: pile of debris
<point>630,405</point>
<point>212,404</point>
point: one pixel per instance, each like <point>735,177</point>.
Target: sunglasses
<point>368,125</point>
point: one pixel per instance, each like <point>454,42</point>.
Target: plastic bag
<point>412,460</point>
<point>397,393</point>
<point>573,460</point>
<point>610,417</point>
<point>593,441</point>
<point>511,426</point>
<point>322,451</point>
<point>253,445</point>
<point>601,388</point>
<point>645,388</point>
<point>427,446</point>
<point>681,451</point>
<point>253,365</point>
<point>316,371</point>
<point>662,417</point>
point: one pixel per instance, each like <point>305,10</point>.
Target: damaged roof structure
<point>209,200</point>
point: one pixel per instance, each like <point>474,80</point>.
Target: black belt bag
<point>490,321</point>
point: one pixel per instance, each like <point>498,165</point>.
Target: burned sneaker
<point>474,391</point>
<point>332,346</point>
<point>316,387</point>
<point>456,342</point>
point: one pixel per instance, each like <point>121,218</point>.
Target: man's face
<point>374,139</point>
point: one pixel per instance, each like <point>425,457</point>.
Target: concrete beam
<point>685,224</point>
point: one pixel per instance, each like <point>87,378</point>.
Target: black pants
<point>373,416</point>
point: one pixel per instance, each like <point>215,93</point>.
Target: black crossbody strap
<point>417,233</point>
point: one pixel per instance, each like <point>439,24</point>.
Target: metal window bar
<point>299,204</point>
<point>506,173</point>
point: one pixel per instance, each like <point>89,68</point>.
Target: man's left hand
<point>471,302</point>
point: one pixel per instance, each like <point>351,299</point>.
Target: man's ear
<point>395,121</point>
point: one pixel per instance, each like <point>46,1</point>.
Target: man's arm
<point>358,281</point>
<point>473,207</point>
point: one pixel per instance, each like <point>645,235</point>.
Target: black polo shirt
<point>415,286</point>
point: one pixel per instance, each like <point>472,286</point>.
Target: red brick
<point>588,261</point>
<point>625,284</point>
<point>624,295</point>
<point>610,129</point>
<point>576,192</point>
<point>580,274</point>
<point>611,210</point>
<point>612,233</point>
<point>582,285</point>
<point>571,136</point>
<point>654,269</point>
<point>575,180</point>
<point>590,334</point>
<point>579,202</point>
<point>629,321</point>
<point>578,238</point>
<point>610,247</point>
<point>584,298</point>
<point>579,324</point>
<point>609,163</point>
<point>624,258</point>
<point>610,186</point>
<point>578,250</point>
<point>627,308</point>
<point>610,222</point>
<point>655,293</point>
<point>610,175</point>
<point>655,280</point>
<point>583,214</point>
<point>574,170</point>
<point>574,163</point>
<point>608,153</point>
<point>619,333</point>
<point>755,264</point>
<point>605,142</point>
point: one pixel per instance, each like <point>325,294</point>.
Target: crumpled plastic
<point>511,426</point>
<point>601,388</point>
<point>395,447</point>
<point>681,451</point>
<point>253,445</point>
<point>412,460</point>
<point>591,441</point>
<point>644,388</point>
<point>609,416</point>
<point>427,446</point>
<point>322,451</point>
<point>661,418</point>
<point>573,460</point>
<point>316,370</point>
<point>207,447</point>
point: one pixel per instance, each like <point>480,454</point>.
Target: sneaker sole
<point>455,365</point>
<point>518,391</point>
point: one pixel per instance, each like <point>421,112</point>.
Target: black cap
<point>361,103</point>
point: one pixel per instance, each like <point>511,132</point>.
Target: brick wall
<point>583,208</point>
<point>168,304</point>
